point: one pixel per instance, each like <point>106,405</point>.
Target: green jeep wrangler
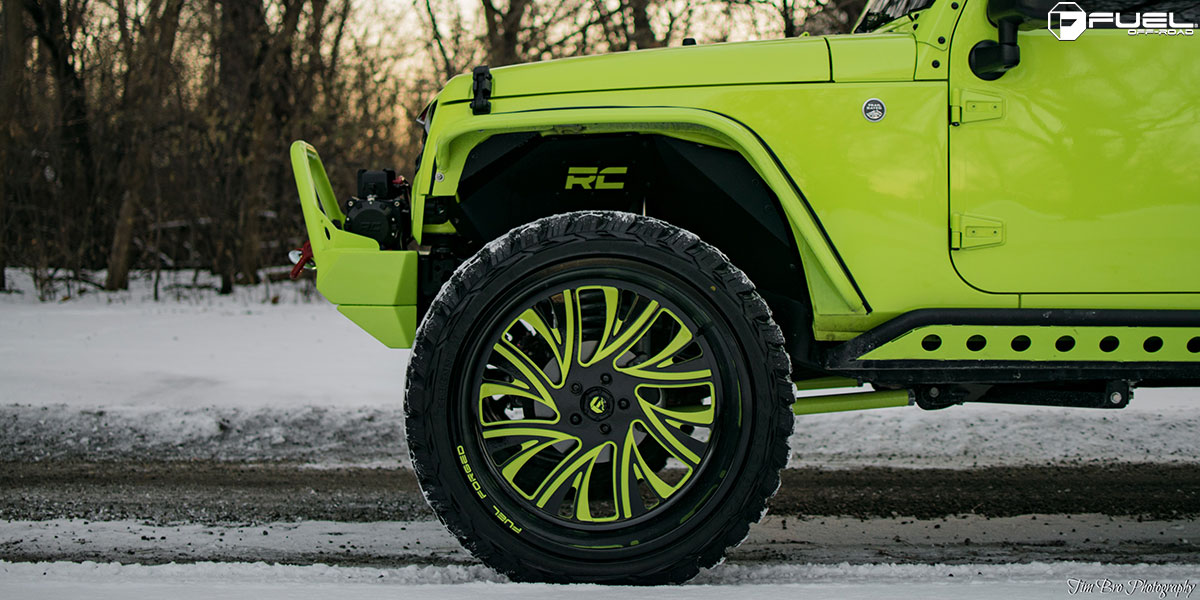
<point>624,267</point>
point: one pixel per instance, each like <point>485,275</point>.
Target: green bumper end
<point>376,289</point>
<point>395,326</point>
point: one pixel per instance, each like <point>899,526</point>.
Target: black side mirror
<point>990,60</point>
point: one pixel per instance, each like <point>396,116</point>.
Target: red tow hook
<point>301,256</point>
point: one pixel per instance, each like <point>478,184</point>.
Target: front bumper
<point>374,288</point>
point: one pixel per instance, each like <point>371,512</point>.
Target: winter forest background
<point>149,135</point>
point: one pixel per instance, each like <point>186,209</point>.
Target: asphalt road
<point>157,512</point>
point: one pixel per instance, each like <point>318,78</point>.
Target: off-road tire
<point>481,509</point>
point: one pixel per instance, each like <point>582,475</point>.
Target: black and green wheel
<point>598,397</point>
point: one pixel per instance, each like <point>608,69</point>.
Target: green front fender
<point>456,131</point>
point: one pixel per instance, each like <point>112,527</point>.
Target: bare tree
<point>58,28</point>
<point>167,145</point>
<point>12,59</point>
<point>504,28</point>
<point>147,81</point>
<point>816,17</point>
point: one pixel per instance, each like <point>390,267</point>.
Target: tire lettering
<point>507,521</point>
<point>462,458</point>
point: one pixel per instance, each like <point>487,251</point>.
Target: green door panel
<point>1088,160</point>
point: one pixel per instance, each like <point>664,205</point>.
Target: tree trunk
<point>12,69</point>
<point>643,34</point>
<point>271,115</point>
<point>118,260</point>
<point>787,12</point>
<point>54,31</point>
<point>503,31</point>
<point>145,87</point>
<point>240,47</point>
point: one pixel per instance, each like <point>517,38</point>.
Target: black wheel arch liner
<point>514,178</point>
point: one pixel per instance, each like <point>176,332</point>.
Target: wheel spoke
<point>561,343</point>
<point>662,366</point>
<point>564,474</point>
<point>659,486</point>
<point>532,441</point>
<point>673,439</point>
<point>583,501</point>
<point>620,331</point>
<point>580,339</point>
<point>630,473</point>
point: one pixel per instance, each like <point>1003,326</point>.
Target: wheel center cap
<point>597,403</point>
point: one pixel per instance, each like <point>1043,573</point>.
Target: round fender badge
<point>874,110</point>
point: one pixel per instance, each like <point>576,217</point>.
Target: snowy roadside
<point>269,581</point>
<point>778,540</point>
<point>1158,428</point>
<point>275,373</point>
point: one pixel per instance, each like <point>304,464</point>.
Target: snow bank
<point>315,434</point>
<point>267,581</point>
<point>275,373</point>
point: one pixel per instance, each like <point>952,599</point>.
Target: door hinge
<point>969,231</point>
<point>967,106</point>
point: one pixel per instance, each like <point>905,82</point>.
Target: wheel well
<point>512,179</point>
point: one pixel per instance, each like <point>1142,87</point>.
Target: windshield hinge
<point>967,106</point>
<point>969,231</point>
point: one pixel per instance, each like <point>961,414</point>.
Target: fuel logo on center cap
<point>874,110</point>
<point>597,403</point>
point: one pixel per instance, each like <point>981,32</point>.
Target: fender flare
<point>831,286</point>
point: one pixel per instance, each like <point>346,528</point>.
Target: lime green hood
<point>796,60</point>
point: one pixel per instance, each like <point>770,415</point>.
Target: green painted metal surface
<point>881,57</point>
<point>393,326</point>
<point>743,63</point>
<point>824,383</point>
<point>1092,165</point>
<point>844,402</point>
<point>1041,343</point>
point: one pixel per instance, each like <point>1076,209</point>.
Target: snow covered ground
<point>274,372</point>
<point>778,539</point>
<point>844,582</point>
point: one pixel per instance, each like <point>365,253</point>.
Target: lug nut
<point>934,392</point>
<point>576,388</point>
<point>1116,398</point>
<point>623,403</point>
<point>606,378</point>
<point>605,428</point>
<point>576,419</point>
